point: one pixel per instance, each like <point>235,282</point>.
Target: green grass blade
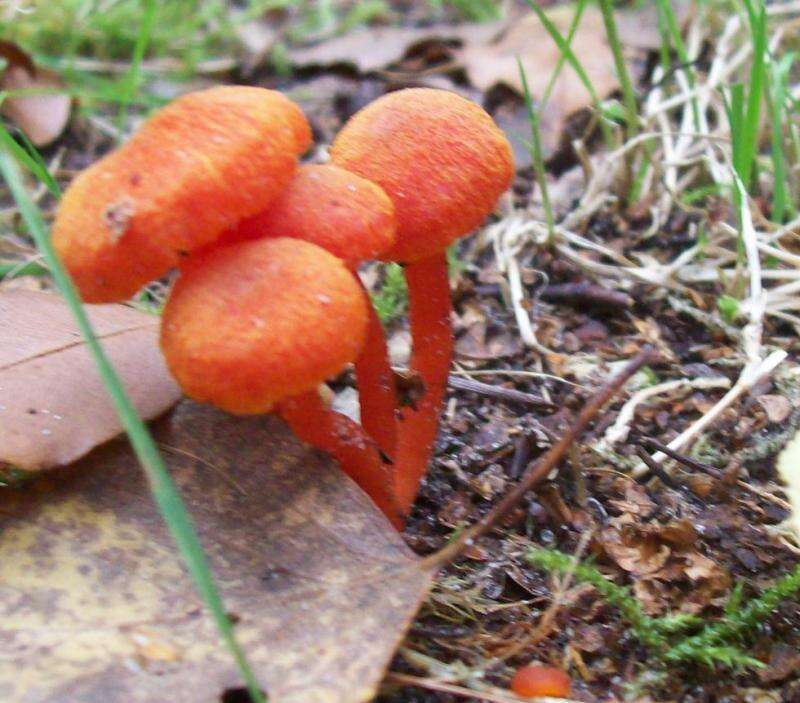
<point>134,75</point>
<point>31,159</point>
<point>628,93</point>
<point>13,269</point>
<point>164,491</point>
<point>752,115</point>
<point>562,59</point>
<point>574,62</point>
<point>776,87</point>
<point>667,15</point>
<point>536,154</point>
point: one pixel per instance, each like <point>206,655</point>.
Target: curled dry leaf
<point>41,110</point>
<point>95,606</point>
<point>53,406</point>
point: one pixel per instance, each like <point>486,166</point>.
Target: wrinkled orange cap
<point>345,214</point>
<point>440,158</point>
<point>252,323</point>
<point>192,171</point>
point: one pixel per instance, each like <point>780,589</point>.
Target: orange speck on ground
<point>534,680</point>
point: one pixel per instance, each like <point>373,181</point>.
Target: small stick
<point>539,470</point>
<point>656,469</point>
<point>510,394</point>
<point>589,294</point>
<point>687,461</point>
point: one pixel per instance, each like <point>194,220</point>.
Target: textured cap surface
<point>249,324</point>
<point>345,214</point>
<point>440,158</point>
<point>193,170</point>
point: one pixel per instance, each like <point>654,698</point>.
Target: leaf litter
<point>96,607</point>
<point>720,522</point>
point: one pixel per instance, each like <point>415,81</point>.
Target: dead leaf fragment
<point>53,406</point>
<point>374,48</point>
<point>95,606</point>
<point>777,407</point>
<point>42,111</point>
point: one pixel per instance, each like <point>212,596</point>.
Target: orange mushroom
<point>257,326</point>
<point>444,163</point>
<point>341,212</point>
<point>353,219</point>
<point>532,681</point>
<point>193,170</point>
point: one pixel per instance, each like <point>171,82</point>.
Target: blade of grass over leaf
<point>31,159</point>
<point>134,75</point>
<point>569,55</point>
<point>163,489</point>
<point>12,269</point>
<point>535,147</point>
<point>573,27</point>
<point>628,100</point>
<point>628,93</point>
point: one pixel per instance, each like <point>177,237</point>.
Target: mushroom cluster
<point>268,305</point>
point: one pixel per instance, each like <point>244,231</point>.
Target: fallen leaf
<point>257,39</point>
<point>95,606</point>
<point>374,48</point>
<point>777,407</point>
<point>493,61</point>
<point>53,406</point>
<point>43,111</point>
<point>638,556</point>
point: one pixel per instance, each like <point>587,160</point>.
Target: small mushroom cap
<point>192,171</point>
<point>345,214</point>
<point>439,157</point>
<point>534,680</point>
<point>252,323</point>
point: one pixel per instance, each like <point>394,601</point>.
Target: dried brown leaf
<point>95,606</point>
<point>53,407</point>
<point>42,109</point>
<point>375,48</point>
<point>777,407</point>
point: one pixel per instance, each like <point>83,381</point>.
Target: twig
<point>589,294</point>
<point>687,461</point>
<point>618,432</point>
<point>749,377</point>
<point>538,471</point>
<point>510,394</point>
<point>656,469</point>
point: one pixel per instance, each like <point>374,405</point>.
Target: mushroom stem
<point>429,308</point>
<point>376,387</point>
<point>314,422</point>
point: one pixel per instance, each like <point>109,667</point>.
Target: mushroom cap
<point>534,680</point>
<point>252,323</point>
<point>345,214</point>
<point>439,157</point>
<point>192,171</point>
